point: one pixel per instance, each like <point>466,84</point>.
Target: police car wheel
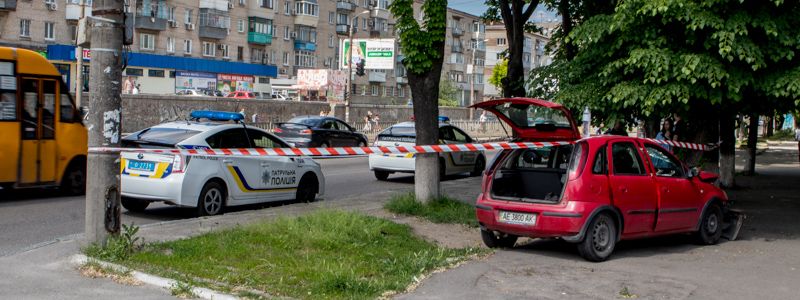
<point>307,188</point>
<point>212,199</point>
<point>480,165</point>
<point>134,205</point>
<point>324,145</point>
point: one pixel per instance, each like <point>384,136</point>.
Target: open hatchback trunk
<point>533,175</point>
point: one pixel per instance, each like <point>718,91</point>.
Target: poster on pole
<point>378,54</point>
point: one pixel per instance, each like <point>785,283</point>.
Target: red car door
<point>632,189</point>
<point>679,200</point>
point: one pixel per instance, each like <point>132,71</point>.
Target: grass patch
<point>441,210</point>
<point>182,290</point>
<point>93,269</point>
<point>119,247</point>
<point>327,254</point>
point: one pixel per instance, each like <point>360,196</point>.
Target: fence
<point>474,129</point>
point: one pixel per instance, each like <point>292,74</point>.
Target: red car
<point>593,193</point>
<point>241,95</point>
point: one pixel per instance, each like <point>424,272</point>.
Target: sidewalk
<point>46,272</point>
<point>763,264</point>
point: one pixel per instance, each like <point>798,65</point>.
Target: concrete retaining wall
<point>141,111</point>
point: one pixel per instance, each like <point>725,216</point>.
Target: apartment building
<point>239,44</point>
<point>533,53</point>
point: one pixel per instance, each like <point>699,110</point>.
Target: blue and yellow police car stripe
<point>241,182</point>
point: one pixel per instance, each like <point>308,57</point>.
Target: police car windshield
<point>313,122</point>
<point>163,137</point>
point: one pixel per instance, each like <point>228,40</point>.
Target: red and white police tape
<point>349,151</point>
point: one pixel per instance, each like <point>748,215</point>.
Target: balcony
<point>381,13</point>
<point>213,24</point>
<point>73,11</point>
<point>342,29</point>
<point>304,46</point>
<point>376,76</point>
<point>401,80</point>
<point>8,5</point>
<point>345,6</point>
<point>457,49</point>
<point>457,31</point>
<point>150,23</point>
<point>259,38</point>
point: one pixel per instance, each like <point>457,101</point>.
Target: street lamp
<point>349,88</point>
<point>472,78</point>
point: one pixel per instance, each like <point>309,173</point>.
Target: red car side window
<point>625,159</point>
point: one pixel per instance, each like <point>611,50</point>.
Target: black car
<point>316,131</point>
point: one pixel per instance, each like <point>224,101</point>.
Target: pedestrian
<point>797,138</point>
<point>368,122</point>
<point>136,88</point>
<point>678,128</point>
<point>322,113</point>
<point>618,129</point>
<point>375,119</point>
<point>666,133</point>
<point>254,118</point>
<point>482,119</point>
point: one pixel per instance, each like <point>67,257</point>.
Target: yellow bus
<point>43,142</point>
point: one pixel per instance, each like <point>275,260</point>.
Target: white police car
<point>207,182</point>
<point>404,134</point>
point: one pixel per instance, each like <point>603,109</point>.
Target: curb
<point>153,280</point>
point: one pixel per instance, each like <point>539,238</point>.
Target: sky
<point>477,7</point>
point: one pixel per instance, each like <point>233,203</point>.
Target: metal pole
<point>472,84</point>
<point>102,189</point>
<point>349,74</point>
<point>79,58</point>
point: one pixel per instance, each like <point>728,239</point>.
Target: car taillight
<point>305,131</point>
<point>178,164</point>
<point>277,130</point>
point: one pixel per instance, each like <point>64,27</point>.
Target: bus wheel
<point>74,180</point>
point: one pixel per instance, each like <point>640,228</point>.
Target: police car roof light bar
<point>216,115</point>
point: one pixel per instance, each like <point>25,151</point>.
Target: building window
<point>374,89</point>
<point>330,41</point>
<point>187,46</point>
<point>331,17</point>
<point>25,28</point>
<point>240,25</point>
<point>257,55</point>
<point>225,52</point>
<point>171,74</point>
<point>155,73</point>
<point>134,72</point>
<point>73,32</point>
<point>187,17</point>
<point>49,33</point>
<point>306,8</point>
<point>305,59</point>
<point>271,57</point>
<point>501,41</point>
<point>215,19</point>
<point>286,33</point>
<point>388,91</point>
<point>171,13</point>
<point>240,53</point>
<point>263,80</point>
<point>363,90</point>
<point>170,45</point>
<point>147,41</point>
<point>355,22</point>
<point>478,78</point>
<point>266,3</point>
<point>285,58</point>
<point>287,7</point>
<point>306,34</point>
<point>209,49</point>
<point>401,91</point>
<point>259,25</point>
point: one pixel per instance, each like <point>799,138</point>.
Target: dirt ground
<point>762,264</point>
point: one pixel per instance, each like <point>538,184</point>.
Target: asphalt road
<point>31,217</point>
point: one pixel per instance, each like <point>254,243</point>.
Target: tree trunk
<point>566,28</point>
<point>769,122</point>
<point>425,94</point>
<point>752,140</point>
<point>727,149</point>
<point>515,15</point>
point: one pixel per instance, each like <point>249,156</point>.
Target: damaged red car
<point>594,192</point>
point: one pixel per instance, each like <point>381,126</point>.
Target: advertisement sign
<point>195,80</point>
<point>230,83</point>
<point>377,53</point>
<point>332,81</point>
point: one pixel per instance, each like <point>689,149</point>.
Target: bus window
<point>68,112</point>
<point>48,109</point>
<point>30,100</point>
<point>8,106</point>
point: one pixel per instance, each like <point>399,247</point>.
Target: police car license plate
<point>517,218</point>
<point>135,165</point>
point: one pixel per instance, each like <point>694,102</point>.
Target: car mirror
<point>692,172</point>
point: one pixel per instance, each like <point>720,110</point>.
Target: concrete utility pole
<point>102,186</point>
<point>79,59</point>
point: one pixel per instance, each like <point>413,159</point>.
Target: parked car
<point>280,97</point>
<point>190,92</point>
<point>214,93</point>
<point>404,134</point>
<point>211,183</point>
<point>318,131</point>
<point>594,193</point>
<point>241,95</point>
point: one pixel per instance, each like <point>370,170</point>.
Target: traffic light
<point>360,68</point>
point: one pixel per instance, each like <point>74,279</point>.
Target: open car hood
<point>534,119</point>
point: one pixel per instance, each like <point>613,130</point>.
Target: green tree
<point>706,59</point>
<point>448,93</point>
<point>515,15</point>
<point>422,44</point>
<point>499,72</point>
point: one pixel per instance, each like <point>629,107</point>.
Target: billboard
<point>332,81</point>
<point>376,53</point>
<point>195,80</point>
<point>230,83</point>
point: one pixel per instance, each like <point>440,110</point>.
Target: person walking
<point>482,119</point>
<point>368,122</point>
<point>797,138</point>
<point>618,129</point>
<point>678,128</point>
<point>665,134</point>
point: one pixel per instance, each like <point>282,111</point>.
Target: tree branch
<point>528,12</point>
